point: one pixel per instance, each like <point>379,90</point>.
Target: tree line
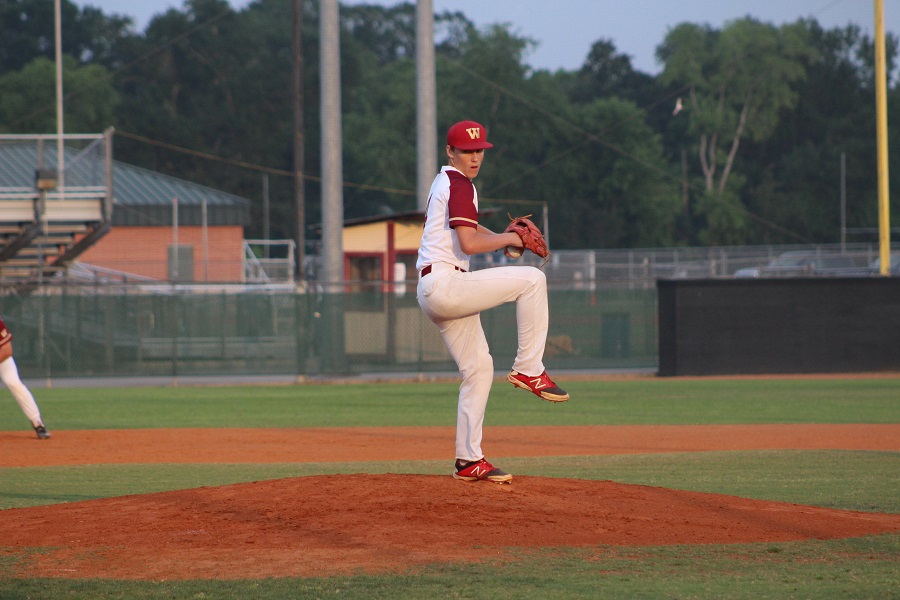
<point>738,140</point>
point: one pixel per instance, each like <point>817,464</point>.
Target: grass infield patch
<point>643,401</point>
<point>849,480</point>
<point>862,568</point>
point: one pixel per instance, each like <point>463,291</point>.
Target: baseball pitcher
<point>453,297</point>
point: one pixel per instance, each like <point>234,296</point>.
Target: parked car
<point>875,265</point>
<point>798,263</point>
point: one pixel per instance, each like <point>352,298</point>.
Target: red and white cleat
<point>541,386</point>
<point>480,470</point>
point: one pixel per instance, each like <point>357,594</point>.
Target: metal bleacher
<point>54,204</point>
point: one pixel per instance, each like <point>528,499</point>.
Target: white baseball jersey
<point>452,202</point>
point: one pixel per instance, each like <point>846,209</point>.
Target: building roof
<point>411,216</point>
<point>145,193</point>
<point>141,196</point>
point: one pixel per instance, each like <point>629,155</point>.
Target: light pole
<point>59,98</point>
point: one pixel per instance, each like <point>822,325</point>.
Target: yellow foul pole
<point>884,221</point>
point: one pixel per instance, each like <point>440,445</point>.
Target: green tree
<point>27,31</point>
<point>380,104</point>
<point>28,102</point>
<point>766,114</point>
<point>794,177</point>
<point>606,73</point>
<point>604,176</point>
<point>739,81</point>
<point>388,33</point>
<point>213,81</point>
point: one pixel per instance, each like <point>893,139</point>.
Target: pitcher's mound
<point>343,524</point>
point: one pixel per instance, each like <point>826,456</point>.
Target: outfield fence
<point>130,332</point>
<point>603,316</point>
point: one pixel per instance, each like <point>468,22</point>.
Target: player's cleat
<point>542,386</point>
<point>480,470</point>
<point>42,432</point>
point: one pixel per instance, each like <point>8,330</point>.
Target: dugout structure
<point>774,326</point>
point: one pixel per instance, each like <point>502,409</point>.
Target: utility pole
<point>332,148</point>
<point>299,197</point>
<point>884,211</point>
<point>60,129</point>
<point>426,109</point>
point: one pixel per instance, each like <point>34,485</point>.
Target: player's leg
<point>9,375</point>
<point>527,287</point>
<point>458,294</point>
<point>468,346</point>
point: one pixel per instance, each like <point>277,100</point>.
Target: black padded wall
<point>759,326</point>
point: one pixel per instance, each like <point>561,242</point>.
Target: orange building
<point>169,229</point>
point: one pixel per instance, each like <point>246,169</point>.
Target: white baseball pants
<point>9,374</point>
<point>453,300</point>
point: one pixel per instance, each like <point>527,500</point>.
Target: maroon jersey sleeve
<point>5,335</point>
<point>461,207</point>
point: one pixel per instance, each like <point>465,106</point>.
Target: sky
<point>566,29</point>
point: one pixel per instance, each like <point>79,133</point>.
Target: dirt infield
<point>342,524</point>
<point>359,444</point>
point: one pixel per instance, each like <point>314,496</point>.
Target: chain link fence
<point>641,268</point>
<point>67,332</point>
<point>603,316</point>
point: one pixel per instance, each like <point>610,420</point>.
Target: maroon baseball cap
<point>468,135</point>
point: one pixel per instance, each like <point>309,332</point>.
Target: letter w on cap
<point>474,132</point>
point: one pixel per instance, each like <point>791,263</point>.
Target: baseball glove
<point>531,236</point>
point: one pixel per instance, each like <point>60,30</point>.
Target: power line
<point>587,135</point>
<point>592,137</point>
<point>139,59</point>
<point>252,166</point>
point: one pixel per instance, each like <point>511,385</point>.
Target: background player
<point>9,375</point>
<point>452,297</point>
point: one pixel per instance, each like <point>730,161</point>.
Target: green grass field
<point>856,568</point>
